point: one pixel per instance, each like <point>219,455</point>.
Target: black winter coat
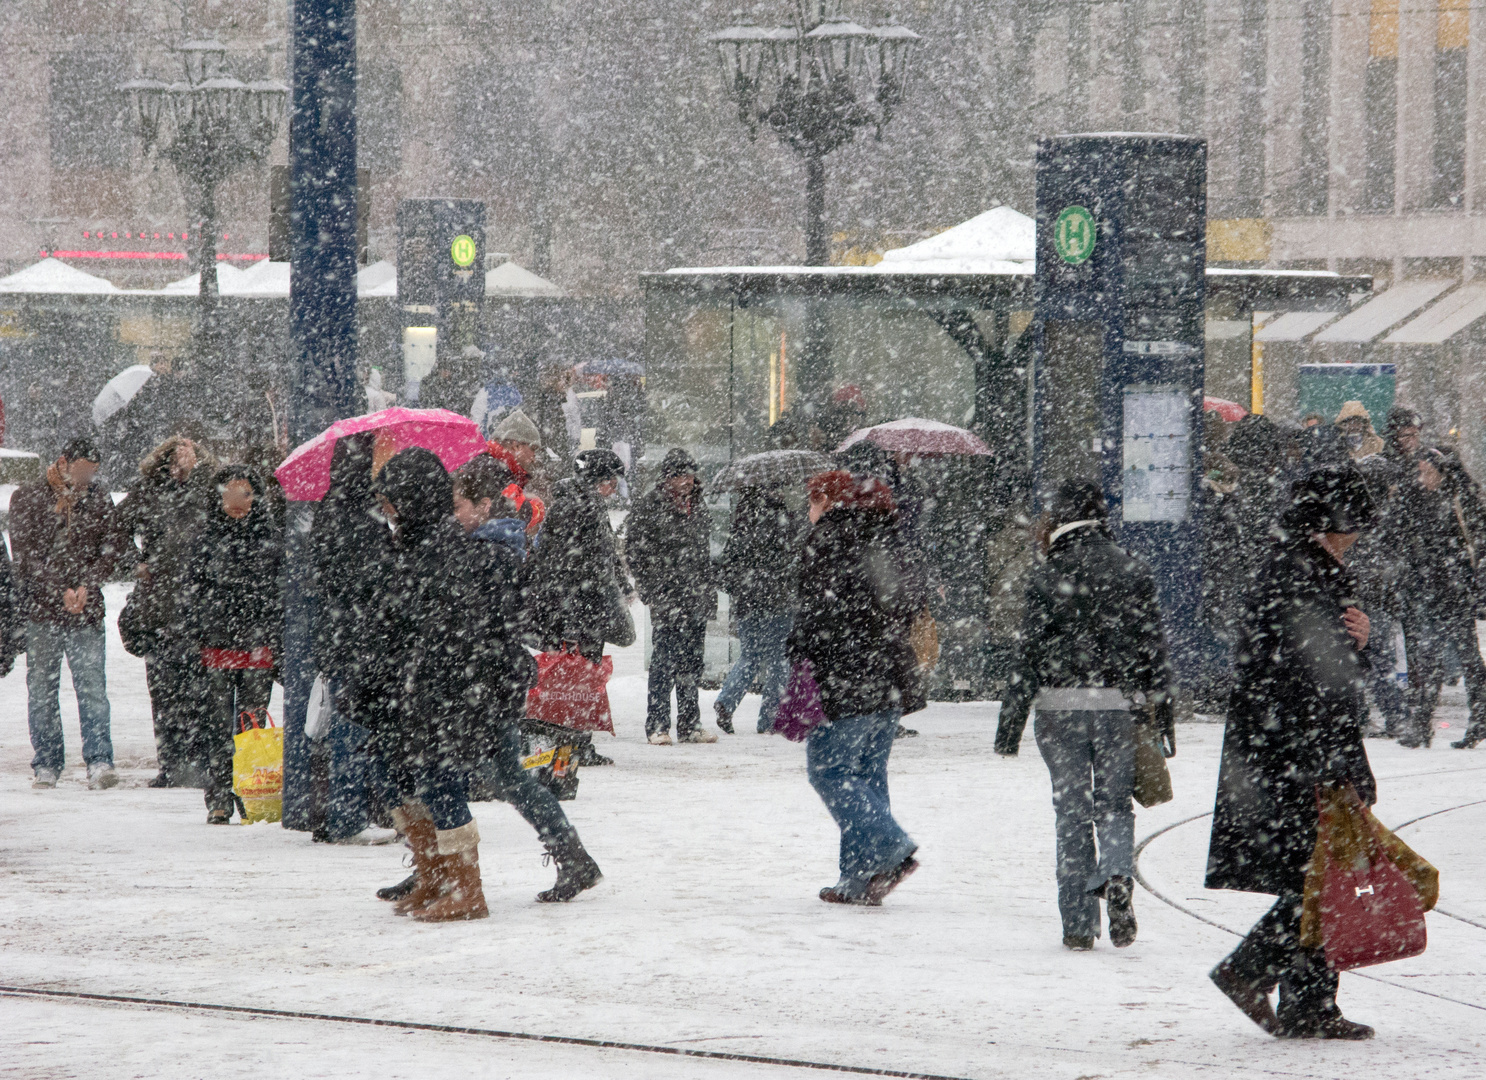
<point>1435,571</point>
<point>12,625</point>
<point>1295,720</point>
<point>572,580</point>
<point>669,552</point>
<point>234,595</point>
<point>1092,619</point>
<point>450,606</point>
<point>350,548</point>
<point>760,564</point>
<point>858,595</point>
<point>168,518</point>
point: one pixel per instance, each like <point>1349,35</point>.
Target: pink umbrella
<point>305,473</point>
<point>1231,411</point>
<point>913,435</point>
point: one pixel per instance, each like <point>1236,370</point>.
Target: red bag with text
<point>571,691</point>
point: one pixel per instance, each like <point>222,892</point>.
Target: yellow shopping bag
<point>258,766</point>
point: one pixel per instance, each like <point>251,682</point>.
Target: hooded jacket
<point>450,607</point>
<point>668,547</point>
<point>168,518</point>
<point>234,592</point>
<point>572,579</point>
<point>760,565</point>
<point>1091,620</point>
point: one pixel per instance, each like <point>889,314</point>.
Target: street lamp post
<point>207,126</point>
<point>814,83</point>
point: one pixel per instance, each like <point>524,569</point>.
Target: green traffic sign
<point>1073,235</point>
<point>462,251</point>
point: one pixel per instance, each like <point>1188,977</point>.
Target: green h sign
<point>1073,235</point>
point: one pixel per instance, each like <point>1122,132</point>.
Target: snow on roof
<point>509,279</point>
<point>1294,326</point>
<point>378,279</point>
<point>998,236</point>
<point>54,276</point>
<point>1440,323</point>
<point>227,279</point>
<point>1384,311</point>
<point>263,278</point>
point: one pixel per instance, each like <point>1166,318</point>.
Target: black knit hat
<point>1332,499</point>
<point>1400,417</point>
<point>596,466</point>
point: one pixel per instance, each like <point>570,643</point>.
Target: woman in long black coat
<point>858,595</point>
<point>1295,723</point>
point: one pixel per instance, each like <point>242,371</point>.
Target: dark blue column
<point>322,316</point>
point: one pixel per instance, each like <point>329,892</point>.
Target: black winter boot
<point>1119,899</point>
<point>398,891</point>
<point>576,872</point>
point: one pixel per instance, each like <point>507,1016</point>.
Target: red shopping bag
<point>571,691</point>
<point>1370,911</point>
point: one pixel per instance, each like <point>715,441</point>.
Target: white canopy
<point>509,279</point>
<point>1440,323</point>
<point>1000,241</point>
<point>55,276</point>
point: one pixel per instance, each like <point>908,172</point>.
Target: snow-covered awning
<point>1294,326</point>
<point>1383,312</point>
<point>1438,324</point>
<point>1000,241</point>
<point>509,279</point>
<point>54,276</point>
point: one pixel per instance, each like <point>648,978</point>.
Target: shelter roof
<point>1383,312</point>
<point>1444,320</point>
<point>54,276</point>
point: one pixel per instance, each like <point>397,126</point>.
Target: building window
<point>1313,180</point>
<point>1451,39</point>
<point>88,118</point>
<point>1380,105</point>
<point>379,116</point>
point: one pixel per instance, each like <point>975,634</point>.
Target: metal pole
<point>817,248</point>
<point>322,318</point>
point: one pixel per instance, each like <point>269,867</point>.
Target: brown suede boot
<point>427,866</point>
<point>462,897</point>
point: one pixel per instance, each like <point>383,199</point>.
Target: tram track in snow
<point>1159,895</point>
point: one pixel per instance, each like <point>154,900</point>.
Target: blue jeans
<point>444,790</point>
<point>1090,757</point>
<point>847,764</point>
<point>45,646</point>
<point>354,770</point>
<point>762,638</point>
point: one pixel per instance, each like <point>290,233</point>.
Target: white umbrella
<point>119,391</point>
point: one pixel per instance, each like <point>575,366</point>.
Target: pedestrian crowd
<point>433,590</point>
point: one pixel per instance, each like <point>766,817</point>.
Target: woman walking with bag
<point>1092,650</point>
<point>1295,726</point>
<point>858,597</point>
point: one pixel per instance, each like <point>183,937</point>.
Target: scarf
<point>67,494</point>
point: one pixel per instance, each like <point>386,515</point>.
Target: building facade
<point>1344,133</point>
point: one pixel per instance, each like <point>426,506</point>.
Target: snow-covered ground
<point>706,933</point>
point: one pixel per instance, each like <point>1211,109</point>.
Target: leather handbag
<point>1152,778</point>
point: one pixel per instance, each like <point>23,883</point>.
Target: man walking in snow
<point>65,545</point>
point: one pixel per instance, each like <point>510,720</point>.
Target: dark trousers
<point>675,662</point>
<point>232,693</point>
<point>179,707</point>
<point>532,800</point>
<point>1271,954</point>
<point>1427,636</point>
<point>444,790</point>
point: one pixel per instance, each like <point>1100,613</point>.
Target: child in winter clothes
<point>483,506</point>
<point>236,616</point>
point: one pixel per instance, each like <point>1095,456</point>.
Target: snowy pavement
<point>706,933</point>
